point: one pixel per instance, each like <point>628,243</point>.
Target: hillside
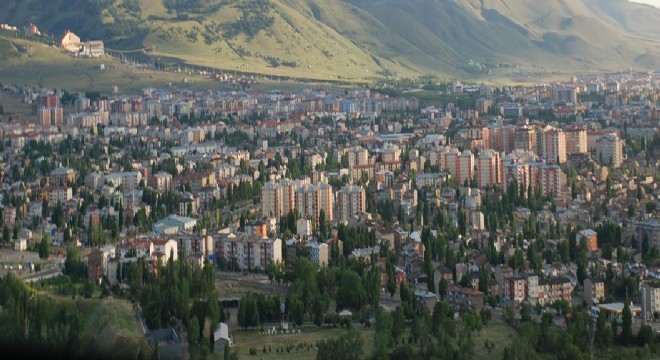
<point>364,39</point>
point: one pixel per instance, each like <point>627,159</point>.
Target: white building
<point>174,224</point>
<point>319,253</point>
<point>609,150</point>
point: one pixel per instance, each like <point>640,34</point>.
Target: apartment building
<point>351,200</point>
<point>609,150</point>
<point>249,252</point>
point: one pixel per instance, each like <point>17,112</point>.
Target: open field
<point>244,340</point>
<point>51,67</point>
<point>496,332</point>
<point>14,108</point>
<point>112,328</point>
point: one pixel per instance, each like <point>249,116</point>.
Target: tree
<point>645,336</point>
<point>351,293</point>
<point>322,225</point>
<point>384,327</point>
<point>193,330</point>
<point>6,235</point>
<point>346,347</point>
<point>603,332</point>
<point>248,311</point>
<point>626,331</point>
<point>582,263</point>
<point>398,323</point>
<point>44,247</point>
<point>526,312</point>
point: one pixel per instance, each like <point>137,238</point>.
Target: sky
<point>655,3</point>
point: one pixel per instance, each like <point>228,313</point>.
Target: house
<point>221,338</point>
<point>196,260</point>
<point>426,298</point>
<point>20,245</point>
<point>167,249</point>
<point>70,42</point>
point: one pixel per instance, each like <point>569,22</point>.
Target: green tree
<point>398,323</point>
<point>6,234</point>
<point>193,330</point>
<point>626,331</point>
<point>44,247</point>
<point>346,347</point>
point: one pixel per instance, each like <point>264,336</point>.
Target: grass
<point>14,108</point>
<point>244,340</point>
<point>112,328</point>
<point>51,67</point>
<point>498,333</point>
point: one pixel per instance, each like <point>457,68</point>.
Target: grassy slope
<point>52,68</point>
<point>294,37</point>
<point>358,40</point>
<point>112,329</point>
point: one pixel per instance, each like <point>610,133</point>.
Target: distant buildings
<point>281,198</point>
<point>351,200</point>
<point>649,230</point>
<point>590,237</point>
<point>249,252</point>
<point>609,150</point>
<point>650,299</point>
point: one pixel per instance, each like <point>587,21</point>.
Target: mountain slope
<point>363,39</point>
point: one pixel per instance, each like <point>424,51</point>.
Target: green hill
<point>364,39</point>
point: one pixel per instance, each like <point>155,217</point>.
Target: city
<point>250,218</point>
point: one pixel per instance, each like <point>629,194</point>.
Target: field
<point>112,328</point>
<point>498,333</point>
<point>244,340</point>
<point>51,67</point>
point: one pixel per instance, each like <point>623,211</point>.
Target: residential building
<point>249,252</point>
<point>648,230</point>
<point>166,249</point>
<point>161,182</point>
<point>576,141</point>
<point>609,150</point>
<point>174,224</point>
<point>594,291</point>
<point>471,298</point>
<point>650,299</point>
<point>351,200</point>
<point>515,289</point>
<point>489,168</point>
<point>554,146</point>
<point>590,237</point>
<point>319,253</point>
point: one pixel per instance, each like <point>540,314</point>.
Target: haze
<point>655,3</point>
